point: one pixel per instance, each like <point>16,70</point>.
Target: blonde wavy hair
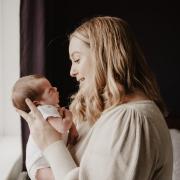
<point>119,68</point>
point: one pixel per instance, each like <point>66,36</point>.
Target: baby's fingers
<point>61,111</point>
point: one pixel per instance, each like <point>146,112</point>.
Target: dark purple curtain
<point>32,37</point>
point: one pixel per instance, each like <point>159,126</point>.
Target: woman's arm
<point>41,131</point>
<point>59,159</point>
<point>49,141</point>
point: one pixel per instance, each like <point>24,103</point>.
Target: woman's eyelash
<point>77,60</point>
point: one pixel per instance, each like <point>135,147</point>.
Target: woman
<point>118,111</point>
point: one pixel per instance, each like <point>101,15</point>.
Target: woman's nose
<point>73,72</point>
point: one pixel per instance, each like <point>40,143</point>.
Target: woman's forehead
<point>77,45</point>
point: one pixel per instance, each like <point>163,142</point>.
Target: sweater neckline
<point>147,101</point>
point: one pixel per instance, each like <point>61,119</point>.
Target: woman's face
<point>81,67</point>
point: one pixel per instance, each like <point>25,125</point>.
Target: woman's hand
<point>42,132</point>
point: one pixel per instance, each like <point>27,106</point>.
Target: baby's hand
<point>66,119</point>
<point>69,125</point>
<point>63,123</point>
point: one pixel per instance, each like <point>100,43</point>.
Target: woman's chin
<point>81,83</point>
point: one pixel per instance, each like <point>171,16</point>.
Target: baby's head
<point>35,87</point>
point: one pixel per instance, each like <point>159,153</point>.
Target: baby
<point>46,98</point>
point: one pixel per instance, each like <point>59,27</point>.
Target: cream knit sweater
<point>128,142</point>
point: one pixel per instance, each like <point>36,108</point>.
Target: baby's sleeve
<point>34,159</point>
<point>48,111</point>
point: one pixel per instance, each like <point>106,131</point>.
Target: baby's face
<point>50,95</point>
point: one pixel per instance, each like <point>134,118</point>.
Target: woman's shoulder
<point>133,115</point>
<point>142,108</point>
<point>132,118</point>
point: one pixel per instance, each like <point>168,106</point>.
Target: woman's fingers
<point>34,111</point>
<point>41,131</point>
<point>24,115</point>
<point>34,114</point>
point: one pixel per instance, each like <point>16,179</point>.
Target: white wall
<point>9,65</point>
<point>10,141</point>
<point>1,56</point>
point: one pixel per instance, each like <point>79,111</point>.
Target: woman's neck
<point>137,95</point>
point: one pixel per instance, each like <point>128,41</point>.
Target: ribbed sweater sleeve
<point>61,162</point>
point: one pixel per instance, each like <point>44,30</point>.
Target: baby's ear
<point>36,103</point>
